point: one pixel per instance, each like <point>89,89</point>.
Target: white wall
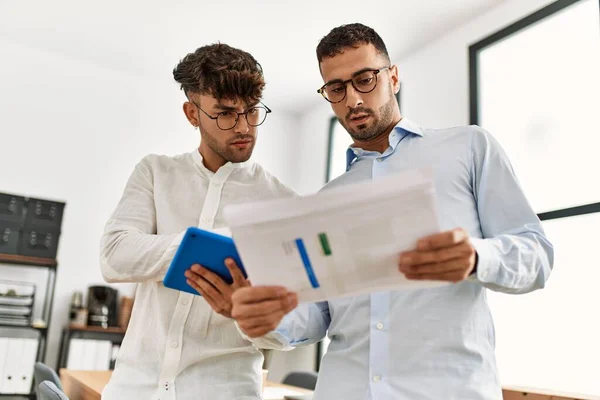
<point>73,130</point>
<point>312,148</point>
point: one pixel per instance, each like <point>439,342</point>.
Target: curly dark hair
<point>350,35</point>
<point>221,71</point>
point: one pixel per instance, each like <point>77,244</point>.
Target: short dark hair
<point>221,71</point>
<point>350,35</point>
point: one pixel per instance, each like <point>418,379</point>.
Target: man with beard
<point>428,344</point>
<point>176,346</point>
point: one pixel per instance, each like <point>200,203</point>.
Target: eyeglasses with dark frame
<point>364,81</point>
<point>228,119</point>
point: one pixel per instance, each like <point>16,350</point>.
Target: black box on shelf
<point>30,226</point>
<point>10,234</point>
<point>44,213</point>
<point>39,242</point>
<point>12,208</point>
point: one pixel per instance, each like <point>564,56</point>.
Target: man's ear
<point>191,113</point>
<point>395,78</point>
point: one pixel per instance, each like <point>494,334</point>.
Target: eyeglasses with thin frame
<point>364,81</point>
<point>228,119</point>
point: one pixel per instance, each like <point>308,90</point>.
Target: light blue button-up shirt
<point>431,344</point>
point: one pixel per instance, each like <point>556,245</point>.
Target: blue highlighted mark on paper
<point>307,265</point>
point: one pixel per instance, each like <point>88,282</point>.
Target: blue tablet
<point>205,248</point>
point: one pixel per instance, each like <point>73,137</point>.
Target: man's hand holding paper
<point>447,256</point>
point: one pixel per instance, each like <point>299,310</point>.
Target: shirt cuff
<point>177,240</point>
<point>172,249</point>
<point>273,340</point>
<point>485,261</point>
<point>169,254</point>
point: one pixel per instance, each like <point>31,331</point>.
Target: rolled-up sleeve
<point>130,249</point>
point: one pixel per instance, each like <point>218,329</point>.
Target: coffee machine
<point>102,306</point>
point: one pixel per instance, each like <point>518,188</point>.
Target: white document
<point>340,242</point>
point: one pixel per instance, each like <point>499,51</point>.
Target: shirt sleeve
<point>305,325</point>
<point>514,254</point>
<point>130,249</point>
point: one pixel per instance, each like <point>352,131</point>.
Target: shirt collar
<point>402,128</point>
<point>198,159</point>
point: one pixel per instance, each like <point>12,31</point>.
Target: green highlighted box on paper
<point>325,244</point>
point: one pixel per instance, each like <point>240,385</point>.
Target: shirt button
<point>379,326</point>
<point>174,344</point>
<point>376,378</point>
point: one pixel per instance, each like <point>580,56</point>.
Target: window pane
<point>550,338</point>
<point>340,142</point>
<point>539,96</point>
<point>325,345</point>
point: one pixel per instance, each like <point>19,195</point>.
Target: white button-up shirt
<point>176,347</point>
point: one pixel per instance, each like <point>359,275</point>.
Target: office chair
<point>41,373</point>
<point>302,379</point>
<point>48,391</point>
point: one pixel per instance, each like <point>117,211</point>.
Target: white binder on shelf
<point>89,354</point>
<point>3,356</point>
<point>12,365</point>
<point>75,360</point>
<point>103,355</point>
<point>24,379</point>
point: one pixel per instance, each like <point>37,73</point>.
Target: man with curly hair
<point>176,346</point>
